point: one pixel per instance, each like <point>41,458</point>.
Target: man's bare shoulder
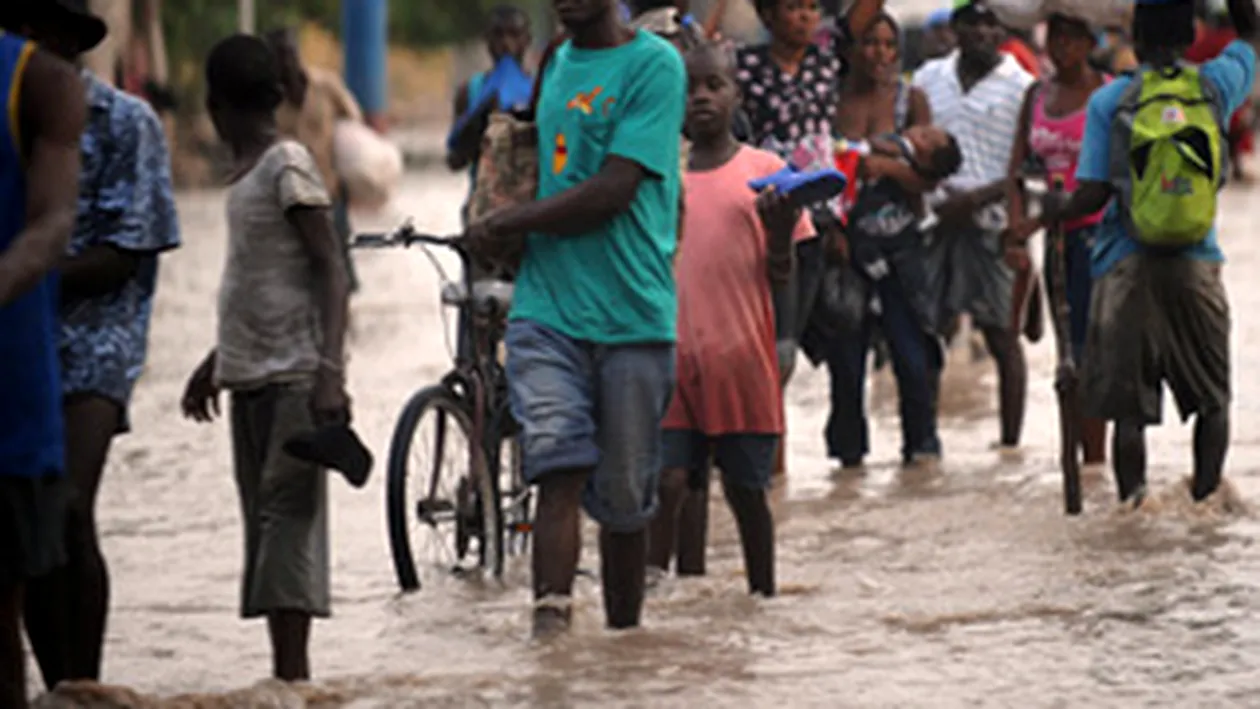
<point>53,98</point>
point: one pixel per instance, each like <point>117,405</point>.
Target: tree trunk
<point>160,64</point>
<point>105,59</point>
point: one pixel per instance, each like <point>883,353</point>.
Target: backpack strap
<point>1121,136</point>
<point>1216,99</point>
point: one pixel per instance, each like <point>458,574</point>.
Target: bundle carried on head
<point>1025,14</point>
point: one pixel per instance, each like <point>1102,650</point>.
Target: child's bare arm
<point>780,219</point>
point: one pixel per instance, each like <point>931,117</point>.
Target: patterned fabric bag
<point>507,172</point>
<point>507,175</point>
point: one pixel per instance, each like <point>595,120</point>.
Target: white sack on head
<point>1019,14</point>
<point>368,165</point>
<point>1098,13</point>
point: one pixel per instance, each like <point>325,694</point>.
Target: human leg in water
<point>622,556</point>
<point>1128,454</point>
<point>1211,444</point>
<point>290,632</point>
<point>1080,284</point>
<point>635,385</point>
<point>847,432</point>
<point>756,534</point>
<point>675,528</point>
<point>912,365</point>
<point>1008,352</point>
<point>663,534</point>
<point>1094,441</point>
<point>66,609</point>
<point>746,461</point>
<point>557,546</point>
<point>693,526</point>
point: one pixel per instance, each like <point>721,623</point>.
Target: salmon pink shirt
<point>728,372</point>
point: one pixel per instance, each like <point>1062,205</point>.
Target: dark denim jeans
<point>915,364</point>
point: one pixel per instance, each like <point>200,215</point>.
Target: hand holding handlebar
<point>404,236</point>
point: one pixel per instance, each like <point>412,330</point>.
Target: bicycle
<point>482,500</point>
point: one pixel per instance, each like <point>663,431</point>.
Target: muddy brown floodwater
<point>966,588</point>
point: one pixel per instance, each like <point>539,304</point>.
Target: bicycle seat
<point>488,294</point>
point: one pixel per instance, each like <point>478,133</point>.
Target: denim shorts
<point>745,459</point>
<point>582,405</point>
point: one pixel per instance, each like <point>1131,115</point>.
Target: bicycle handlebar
<point>404,236</point>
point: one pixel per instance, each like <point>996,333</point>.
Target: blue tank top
<point>31,431</point>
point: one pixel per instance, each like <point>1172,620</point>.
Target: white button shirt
<point>984,121</point>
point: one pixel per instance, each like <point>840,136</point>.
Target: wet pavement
<point>961,587</point>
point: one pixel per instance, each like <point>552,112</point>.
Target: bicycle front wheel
<point>442,504</point>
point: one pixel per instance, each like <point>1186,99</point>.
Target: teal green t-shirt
<point>614,285</point>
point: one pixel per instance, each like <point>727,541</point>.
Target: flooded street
<point>967,587</point>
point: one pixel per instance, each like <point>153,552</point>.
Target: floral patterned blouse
<point>791,115</point>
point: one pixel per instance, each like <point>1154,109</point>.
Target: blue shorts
<point>745,459</point>
<point>582,405</point>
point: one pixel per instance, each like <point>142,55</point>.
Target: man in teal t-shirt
<point>612,282</point>
<point>590,343</point>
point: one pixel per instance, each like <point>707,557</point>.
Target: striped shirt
<point>984,120</point>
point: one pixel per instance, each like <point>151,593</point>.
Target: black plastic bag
<point>840,310</point>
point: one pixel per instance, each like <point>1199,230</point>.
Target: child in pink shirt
<point>728,403</point>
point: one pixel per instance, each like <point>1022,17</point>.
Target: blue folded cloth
<point>509,84</point>
<point>506,87</point>
<point>804,189</point>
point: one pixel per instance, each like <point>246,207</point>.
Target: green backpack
<point>1175,156</point>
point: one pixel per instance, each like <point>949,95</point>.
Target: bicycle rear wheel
<point>441,500</point>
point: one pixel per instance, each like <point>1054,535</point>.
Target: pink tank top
<point>1057,142</point>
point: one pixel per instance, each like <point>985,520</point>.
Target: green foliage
<point>193,26</point>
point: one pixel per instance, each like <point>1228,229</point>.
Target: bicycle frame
<point>476,368</point>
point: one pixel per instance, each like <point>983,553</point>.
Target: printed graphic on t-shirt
<point>584,101</point>
<point>560,158</point>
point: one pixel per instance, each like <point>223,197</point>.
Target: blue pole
<point>366,45</point>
